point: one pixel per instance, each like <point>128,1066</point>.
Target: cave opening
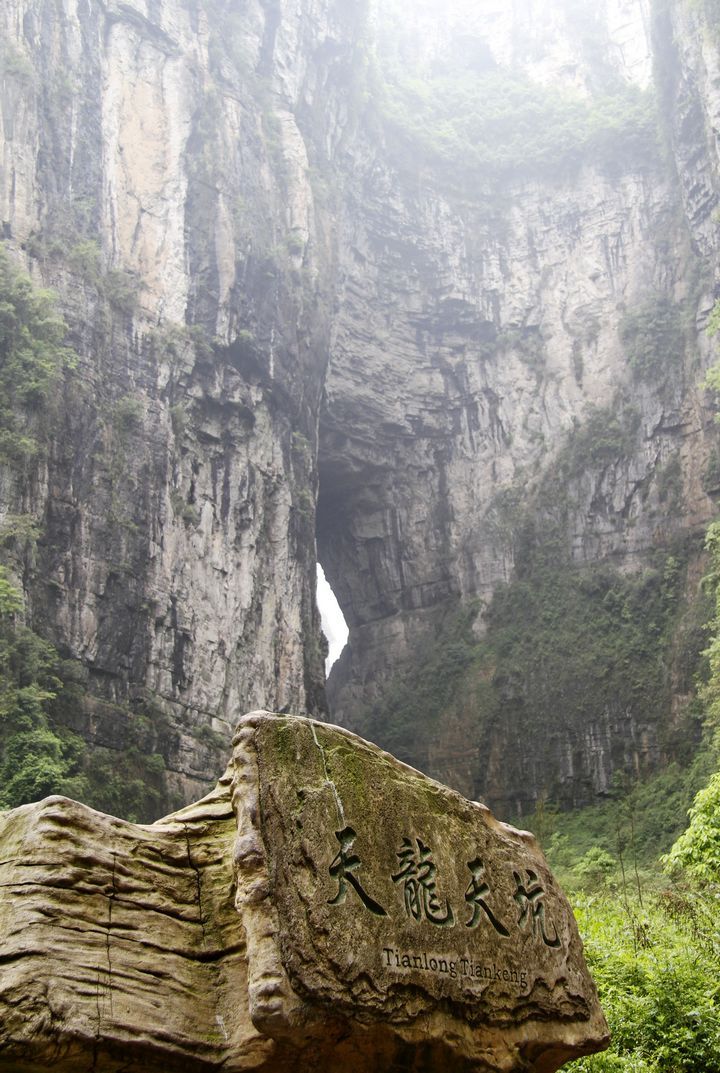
<point>332,619</point>
<point>338,555</point>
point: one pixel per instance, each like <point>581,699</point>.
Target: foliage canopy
<point>497,122</point>
<point>481,118</point>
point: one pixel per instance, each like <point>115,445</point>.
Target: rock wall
<point>272,292</point>
<point>482,325</point>
<point>158,169</point>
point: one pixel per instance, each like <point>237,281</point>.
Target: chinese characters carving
<point>343,868</point>
<point>475,896</point>
<point>418,873</point>
<point>531,901</point>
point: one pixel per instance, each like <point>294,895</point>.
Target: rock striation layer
<point>496,322</point>
<point>159,170</point>
<point>259,929</point>
<point>297,333</point>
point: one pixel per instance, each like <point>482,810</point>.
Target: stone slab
<point>371,891</point>
<point>120,946</point>
<point>325,907</point>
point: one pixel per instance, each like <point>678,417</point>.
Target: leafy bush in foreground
<point>656,963</point>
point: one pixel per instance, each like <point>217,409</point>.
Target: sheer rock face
<point>154,172</point>
<point>307,307</point>
<point>492,319</point>
<point>325,906</point>
<point>503,332</point>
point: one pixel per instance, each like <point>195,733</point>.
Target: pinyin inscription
<point>460,967</point>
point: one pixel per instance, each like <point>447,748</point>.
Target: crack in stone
<point>198,882</point>
<point>328,781</point>
<point>108,930</point>
<point>101,987</point>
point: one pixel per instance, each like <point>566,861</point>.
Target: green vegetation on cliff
<point>32,359</point>
<point>652,940</point>
<point>555,632</point>
<point>580,657</point>
<point>603,646</point>
<point>697,851</point>
<point>654,336</point>
<point>472,114</point>
<point>36,759</point>
<point>498,121</point>
<point>41,696</point>
<point>41,700</point>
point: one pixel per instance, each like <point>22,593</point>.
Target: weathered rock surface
<point>275,312</point>
<point>175,496</point>
<point>478,328</point>
<point>324,907</point>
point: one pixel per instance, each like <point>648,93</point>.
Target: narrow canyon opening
<point>333,621</point>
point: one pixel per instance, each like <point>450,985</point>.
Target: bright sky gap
<point>333,622</point>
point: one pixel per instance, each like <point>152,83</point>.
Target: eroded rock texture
<point>260,929</point>
<point>155,172</point>
<point>486,329</point>
<point>290,321</point>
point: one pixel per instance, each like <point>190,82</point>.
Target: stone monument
<point>325,907</point>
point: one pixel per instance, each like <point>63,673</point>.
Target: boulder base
<point>325,907</point>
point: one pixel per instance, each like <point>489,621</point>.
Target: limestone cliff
<point>155,174</point>
<point>277,290</point>
<point>532,350</point>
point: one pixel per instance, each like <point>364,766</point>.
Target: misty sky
<point>333,623</point>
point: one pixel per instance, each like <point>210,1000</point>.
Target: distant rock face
<point>292,341</point>
<point>162,186</point>
<point>324,907</point>
<point>479,328</point>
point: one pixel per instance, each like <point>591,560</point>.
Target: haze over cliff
<point>423,296</point>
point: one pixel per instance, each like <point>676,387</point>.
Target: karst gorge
<point>426,294</point>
